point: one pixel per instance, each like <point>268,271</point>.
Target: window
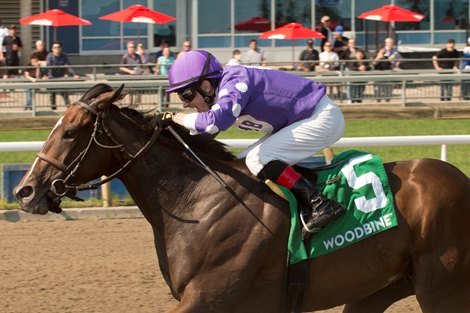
<point>165,31</point>
<point>451,14</point>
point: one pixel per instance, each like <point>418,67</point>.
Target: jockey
<point>297,115</point>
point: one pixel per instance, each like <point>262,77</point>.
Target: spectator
<point>3,33</point>
<point>162,68</point>
<point>164,62</point>
<point>143,57</point>
<point>388,58</point>
<point>465,66</point>
<point>311,55</point>
<point>41,52</point>
<point>349,53</point>
<point>32,73</point>
<point>236,56</point>
<point>326,31</point>
<point>450,61</point>
<point>13,45</point>
<point>341,42</point>
<point>186,48</point>
<point>254,55</point>
<point>329,60</point>
<point>54,59</point>
<point>131,60</point>
<point>163,44</point>
<point>356,89</point>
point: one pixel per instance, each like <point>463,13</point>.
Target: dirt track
<point>93,265</point>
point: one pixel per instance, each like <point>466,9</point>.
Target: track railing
<point>443,141</point>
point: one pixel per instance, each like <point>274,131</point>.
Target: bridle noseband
<point>64,187</point>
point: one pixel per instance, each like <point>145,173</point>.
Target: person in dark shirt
<point>341,42</point>
<point>32,73</point>
<point>41,52</point>
<point>131,63</point>
<point>13,45</point>
<point>58,58</point>
<point>452,63</point>
<point>309,54</point>
<point>325,30</point>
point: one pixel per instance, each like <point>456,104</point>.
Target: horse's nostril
<point>24,192</point>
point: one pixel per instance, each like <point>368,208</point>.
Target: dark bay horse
<point>226,252</point>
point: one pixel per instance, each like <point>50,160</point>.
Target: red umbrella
<point>291,31</point>
<point>392,13</point>
<point>256,23</point>
<point>54,18</point>
<point>138,14</point>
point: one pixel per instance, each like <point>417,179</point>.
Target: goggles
<point>187,94</point>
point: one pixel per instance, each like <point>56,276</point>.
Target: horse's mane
<point>201,143</point>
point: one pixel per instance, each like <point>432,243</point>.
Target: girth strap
<point>297,280</point>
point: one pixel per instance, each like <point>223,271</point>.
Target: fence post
<point>160,98</point>
<point>33,102</point>
<point>106,194</point>
<point>329,154</point>
<point>444,153</point>
<point>403,93</point>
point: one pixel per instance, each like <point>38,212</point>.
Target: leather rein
<point>64,187</point>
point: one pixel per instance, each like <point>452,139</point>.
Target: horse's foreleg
<point>378,302</point>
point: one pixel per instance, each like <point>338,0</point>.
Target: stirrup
<point>304,224</point>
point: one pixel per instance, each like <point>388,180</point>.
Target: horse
<point>222,247</point>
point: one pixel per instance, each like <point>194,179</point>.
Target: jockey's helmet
<point>191,67</point>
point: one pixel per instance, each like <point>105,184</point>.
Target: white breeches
<point>299,140</point>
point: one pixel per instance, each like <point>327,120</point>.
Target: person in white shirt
<point>254,55</point>
<point>235,60</point>
<point>329,60</point>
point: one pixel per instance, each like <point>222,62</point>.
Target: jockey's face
<point>198,102</point>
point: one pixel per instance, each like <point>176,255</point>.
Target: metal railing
<point>399,88</point>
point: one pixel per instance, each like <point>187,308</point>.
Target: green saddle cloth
<point>359,182</point>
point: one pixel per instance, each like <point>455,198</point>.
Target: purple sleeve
<point>233,95</point>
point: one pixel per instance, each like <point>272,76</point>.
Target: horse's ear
<point>108,98</point>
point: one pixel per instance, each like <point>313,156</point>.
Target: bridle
<point>65,187</point>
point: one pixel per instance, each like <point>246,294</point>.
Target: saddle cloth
<point>359,182</point>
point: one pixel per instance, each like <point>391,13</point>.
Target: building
<point>223,25</point>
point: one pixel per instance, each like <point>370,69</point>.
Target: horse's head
<point>76,151</point>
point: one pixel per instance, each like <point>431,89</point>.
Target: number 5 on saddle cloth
<point>358,181</point>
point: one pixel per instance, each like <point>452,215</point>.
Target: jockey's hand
<point>163,120</point>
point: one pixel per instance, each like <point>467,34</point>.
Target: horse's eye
<point>69,134</point>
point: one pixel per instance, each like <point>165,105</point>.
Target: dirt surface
<point>92,265</point>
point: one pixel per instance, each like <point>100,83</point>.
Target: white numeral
<point>356,182</point>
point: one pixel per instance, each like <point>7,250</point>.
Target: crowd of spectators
<point>336,52</point>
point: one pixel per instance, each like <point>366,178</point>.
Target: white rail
<point>344,142</point>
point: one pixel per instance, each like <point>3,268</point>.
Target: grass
<point>458,155</point>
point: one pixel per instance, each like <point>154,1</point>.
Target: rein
<point>61,187</point>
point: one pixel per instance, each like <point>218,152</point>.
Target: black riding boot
<point>323,210</point>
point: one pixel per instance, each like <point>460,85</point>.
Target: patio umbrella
<point>256,23</point>
<point>138,14</point>
<point>291,31</point>
<point>391,13</point>
<point>55,18</point>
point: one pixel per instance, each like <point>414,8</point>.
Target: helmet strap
<point>208,99</point>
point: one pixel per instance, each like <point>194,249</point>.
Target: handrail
<point>443,140</point>
<point>93,68</point>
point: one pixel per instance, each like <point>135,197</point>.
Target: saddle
<point>358,181</point>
